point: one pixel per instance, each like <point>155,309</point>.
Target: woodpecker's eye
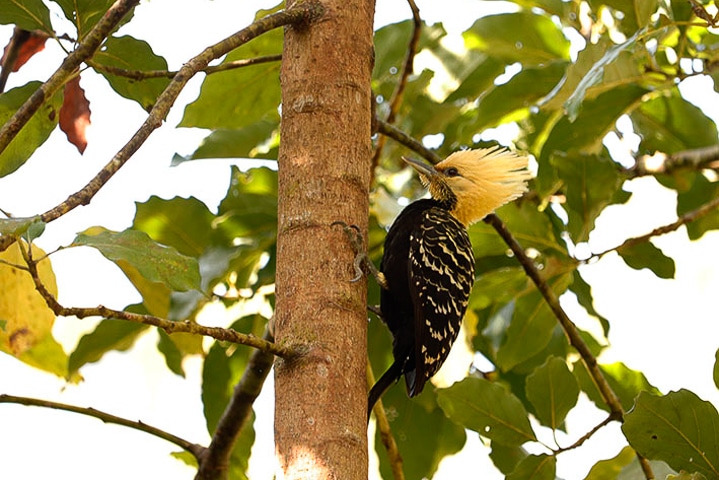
<point>452,172</point>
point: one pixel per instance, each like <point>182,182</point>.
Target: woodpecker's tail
<point>386,380</point>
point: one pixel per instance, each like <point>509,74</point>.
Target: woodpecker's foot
<point>362,263</point>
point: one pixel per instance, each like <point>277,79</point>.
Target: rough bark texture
<point>324,175</point>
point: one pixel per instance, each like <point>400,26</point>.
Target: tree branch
<point>407,70</point>
<point>412,143</point>
<point>148,74</point>
<point>575,339</point>
<point>586,436</point>
<point>85,49</point>
<point>215,459</point>
<point>300,13</point>
<point>168,326</point>
<point>696,159</point>
<point>608,395</point>
<point>682,220</point>
<point>385,431</point>
<point>193,448</point>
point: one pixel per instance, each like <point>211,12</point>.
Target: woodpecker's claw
<point>362,263</point>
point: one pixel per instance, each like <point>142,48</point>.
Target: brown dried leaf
<point>75,114</point>
<point>23,45</point>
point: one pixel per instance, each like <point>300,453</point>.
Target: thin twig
<point>168,326</point>
<point>410,142</point>
<point>149,74</point>
<point>407,70</point>
<point>193,448</point>
<point>586,436</point>
<point>575,339</point>
<point>217,455</point>
<point>682,220</point>
<point>300,12</point>
<point>608,395</point>
<point>385,431</point>
<point>85,49</point>
<point>696,159</point>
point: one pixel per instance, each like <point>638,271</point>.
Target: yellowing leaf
<point>27,333</point>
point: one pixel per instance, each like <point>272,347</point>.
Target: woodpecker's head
<point>473,183</point>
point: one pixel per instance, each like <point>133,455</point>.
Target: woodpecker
<point>427,270</point>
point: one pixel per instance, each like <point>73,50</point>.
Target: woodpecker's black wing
<point>441,275</point>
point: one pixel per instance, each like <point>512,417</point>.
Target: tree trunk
<point>324,175</point>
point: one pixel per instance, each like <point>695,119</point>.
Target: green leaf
<point>635,13</point>
<point>155,295</point>
<point>410,420</point>
<point>254,90</point>
<point>687,476</point>
<point>223,368</point>
<point>520,93</point>
<point>84,13</point>
<point>518,37</point>
<point>553,391</point>
<point>554,7</point>
<point>576,71</point>
<point>507,458</point>
<point>535,467</point>
<point>18,225</point>
<point>679,428</point>
<point>590,183</point>
<point>240,456</point>
<point>108,335</point>
<point>488,409</point>
<point>250,207</point>
<point>479,79</point>
<point>595,75</point>
<point>624,381</point>
<point>701,192</point>
<point>26,14</point>
<point>182,223</point>
<point>217,381</point>
<point>596,118</point>
<point>646,255</point>
<point>246,142</point>
<point>34,133</point>
<point>391,49</point>
<point>155,262</point>
<point>583,291</point>
<point>28,322</point>
<point>531,328</point>
<point>129,53</point>
<point>173,355</point>
<point>611,468</point>
<point>497,287</point>
<point>667,123</point>
<point>716,369</point>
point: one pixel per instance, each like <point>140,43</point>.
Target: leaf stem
<point>682,220</point>
<point>217,456</point>
<point>169,326</point>
<point>85,49</point>
<point>407,69</point>
<point>385,431</point>
<point>193,448</point>
<point>149,74</point>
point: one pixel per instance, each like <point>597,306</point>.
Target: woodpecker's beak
<point>426,171</point>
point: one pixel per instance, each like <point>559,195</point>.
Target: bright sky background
<point>665,328</point>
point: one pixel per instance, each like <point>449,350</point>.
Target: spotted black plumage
<point>428,263</point>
